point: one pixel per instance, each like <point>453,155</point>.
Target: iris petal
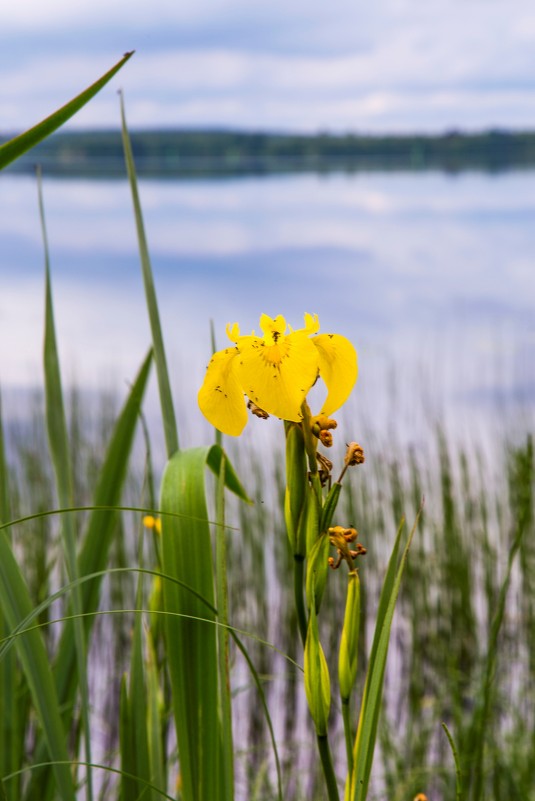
<point>221,395</point>
<point>278,376</point>
<point>338,368</point>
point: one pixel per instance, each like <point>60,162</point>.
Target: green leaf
<point>191,645</point>
<point>13,149</point>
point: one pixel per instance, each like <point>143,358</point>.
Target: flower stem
<point>299,572</point>
<point>328,769</point>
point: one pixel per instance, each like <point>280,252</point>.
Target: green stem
<point>299,573</point>
<point>328,769</point>
<point>347,734</point>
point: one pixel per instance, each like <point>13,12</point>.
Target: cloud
<point>299,66</point>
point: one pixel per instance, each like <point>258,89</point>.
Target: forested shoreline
<point>184,152</point>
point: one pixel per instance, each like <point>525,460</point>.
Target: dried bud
<point>321,423</point>
<point>354,454</point>
<point>324,463</point>
<point>257,411</point>
<point>326,438</point>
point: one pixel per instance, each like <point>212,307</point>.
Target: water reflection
<point>430,275</point>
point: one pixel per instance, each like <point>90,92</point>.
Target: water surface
<point>430,275</point>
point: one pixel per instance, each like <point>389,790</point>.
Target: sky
<point>287,65</point>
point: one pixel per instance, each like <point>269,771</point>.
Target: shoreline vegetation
<point>187,153</point>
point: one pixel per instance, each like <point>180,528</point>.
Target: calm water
<point>432,276</point>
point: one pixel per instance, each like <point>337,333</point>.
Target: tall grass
<point>441,653</point>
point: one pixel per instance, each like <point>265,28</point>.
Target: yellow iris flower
<point>276,372</point>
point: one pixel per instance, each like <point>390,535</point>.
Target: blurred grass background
<point>442,628</point>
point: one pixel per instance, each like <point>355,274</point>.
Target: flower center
<point>274,354</point>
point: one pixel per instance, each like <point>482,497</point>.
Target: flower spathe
<point>276,371</point>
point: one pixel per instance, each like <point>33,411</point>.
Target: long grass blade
<point>13,149</point>
<point>61,460</point>
<point>223,637</point>
<point>164,384</point>
<point>372,696</point>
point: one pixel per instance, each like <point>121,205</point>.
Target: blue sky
<point>391,65</point>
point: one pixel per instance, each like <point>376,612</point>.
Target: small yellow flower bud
<point>153,522</point>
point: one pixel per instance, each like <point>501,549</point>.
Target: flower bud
<point>317,571</point>
<point>317,681</point>
<point>296,487</point>
<point>348,653</point>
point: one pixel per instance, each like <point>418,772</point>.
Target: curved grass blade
<point>11,150</point>
<point>95,765</point>
<point>164,384</point>
<point>458,780</point>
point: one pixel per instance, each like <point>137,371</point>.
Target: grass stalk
<point>59,448</point>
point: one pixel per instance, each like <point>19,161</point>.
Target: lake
<point>431,275</point>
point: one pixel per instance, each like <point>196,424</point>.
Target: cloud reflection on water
<point>429,275</point>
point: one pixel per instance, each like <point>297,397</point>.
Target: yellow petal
<point>233,332</point>
<point>221,395</point>
<point>278,376</point>
<point>338,368</point>
<point>273,329</point>
<point>312,323</point>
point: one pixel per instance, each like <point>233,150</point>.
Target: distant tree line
<point>176,153</point>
